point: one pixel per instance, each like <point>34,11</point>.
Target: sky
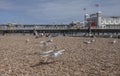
<point>53,11</point>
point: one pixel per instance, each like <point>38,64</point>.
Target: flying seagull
<point>51,54</point>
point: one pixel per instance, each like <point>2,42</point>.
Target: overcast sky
<point>53,11</point>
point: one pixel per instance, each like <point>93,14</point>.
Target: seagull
<point>114,41</point>
<point>51,54</point>
<point>111,36</point>
<point>46,43</point>
<point>93,40</point>
<point>90,34</point>
<point>42,43</point>
<point>88,41</point>
<point>50,41</point>
<point>27,40</point>
<point>42,34</point>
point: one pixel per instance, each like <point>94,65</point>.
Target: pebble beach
<point>18,58</point>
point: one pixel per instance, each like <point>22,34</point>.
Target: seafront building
<point>98,20</point>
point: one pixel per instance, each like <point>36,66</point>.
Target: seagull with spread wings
<point>51,54</point>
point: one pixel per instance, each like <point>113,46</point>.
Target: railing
<point>53,28</point>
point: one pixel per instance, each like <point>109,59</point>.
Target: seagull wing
<point>46,52</point>
<point>58,52</point>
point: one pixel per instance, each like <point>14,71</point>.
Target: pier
<point>60,29</point>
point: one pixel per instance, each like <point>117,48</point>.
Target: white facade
<point>109,21</point>
<point>104,21</point>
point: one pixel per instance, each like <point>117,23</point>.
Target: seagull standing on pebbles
<point>50,41</point>
<point>111,36</point>
<point>27,40</point>
<point>43,44</point>
<point>46,43</point>
<point>93,40</point>
<point>87,41</point>
<point>114,41</point>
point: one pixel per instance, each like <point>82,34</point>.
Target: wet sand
<point>18,58</point>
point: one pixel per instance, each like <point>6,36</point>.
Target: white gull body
<point>114,41</point>
<point>51,54</point>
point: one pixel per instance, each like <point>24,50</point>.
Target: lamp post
<point>89,27</point>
